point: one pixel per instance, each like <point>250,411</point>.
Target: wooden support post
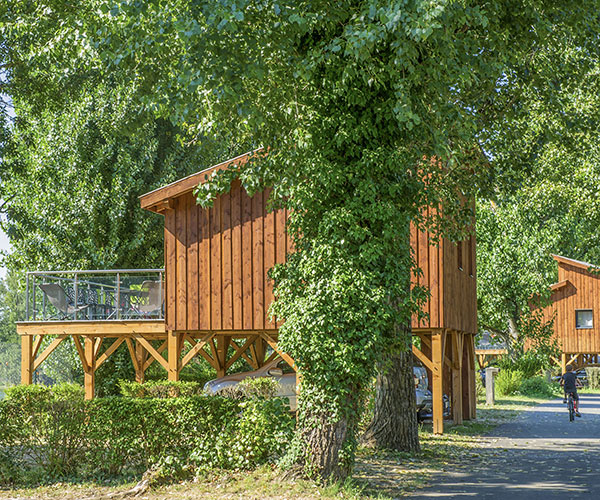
<point>470,401</point>
<point>223,342</point>
<point>563,362</point>
<point>437,355</point>
<point>26,359</point>
<point>140,356</point>
<point>174,354</point>
<point>90,369</point>
<point>457,396</point>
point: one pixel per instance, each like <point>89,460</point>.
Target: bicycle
<point>571,407</point>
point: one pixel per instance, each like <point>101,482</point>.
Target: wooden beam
<point>27,360</point>
<point>36,345</point>
<point>199,346</point>
<point>97,346</point>
<point>89,375</point>
<point>151,360</point>
<point>286,357</point>
<point>154,353</point>
<point>140,356</point>
<point>110,328</point>
<point>131,349</point>
<point>82,354</point>
<point>437,356</point>
<point>53,345</point>
<point>422,358</point>
<point>457,379</point>
<point>174,352</point>
<point>239,351</point>
<point>112,348</point>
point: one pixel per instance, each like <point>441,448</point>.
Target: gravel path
<point>539,455</point>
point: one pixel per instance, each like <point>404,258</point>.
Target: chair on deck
<point>59,299</point>
<point>152,306</point>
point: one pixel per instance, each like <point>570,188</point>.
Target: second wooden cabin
<point>575,308</point>
<point>218,292</point>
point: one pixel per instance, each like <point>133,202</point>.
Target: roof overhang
<point>559,285</point>
<point>161,199</point>
<point>572,262</point>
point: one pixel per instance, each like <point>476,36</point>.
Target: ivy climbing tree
<point>369,111</point>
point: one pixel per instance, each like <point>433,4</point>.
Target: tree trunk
<point>394,425</point>
<point>325,443</point>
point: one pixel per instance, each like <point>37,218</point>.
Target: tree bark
<point>394,425</point>
<point>325,443</point>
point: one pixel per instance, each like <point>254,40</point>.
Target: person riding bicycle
<point>570,383</point>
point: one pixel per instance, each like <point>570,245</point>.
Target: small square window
<point>584,319</point>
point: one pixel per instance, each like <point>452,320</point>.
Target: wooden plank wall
<point>429,258</point>
<point>460,286</point>
<point>582,292</point>
<point>453,292</point>
<point>216,262</point>
<point>217,259</point>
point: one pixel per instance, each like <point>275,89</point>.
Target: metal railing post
<point>76,299</point>
<point>27,297</point>
<point>33,306</point>
<point>118,295</point>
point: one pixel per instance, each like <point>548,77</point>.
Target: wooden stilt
<point>223,342</point>
<point>563,363</point>
<point>437,354</point>
<point>457,379</point>
<point>174,350</point>
<point>140,354</point>
<point>26,359</point>
<point>90,369</point>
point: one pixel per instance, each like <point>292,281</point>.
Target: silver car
<point>283,373</point>
<point>276,369</point>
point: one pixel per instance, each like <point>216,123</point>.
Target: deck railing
<point>95,295</point>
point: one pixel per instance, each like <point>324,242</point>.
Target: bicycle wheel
<point>571,407</point>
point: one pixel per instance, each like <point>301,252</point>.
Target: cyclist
<point>570,383</point>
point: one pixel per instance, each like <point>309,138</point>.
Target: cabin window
<point>460,255</point>
<point>584,318</point>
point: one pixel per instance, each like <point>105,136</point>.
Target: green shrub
<point>538,386</point>
<point>159,389</point>
<point>55,433</point>
<point>593,376</point>
<point>251,388</point>
<point>508,382</point>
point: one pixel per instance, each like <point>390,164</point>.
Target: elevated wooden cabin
<point>217,296</point>
<point>575,307</point>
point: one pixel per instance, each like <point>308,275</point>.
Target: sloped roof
<point>158,200</point>
<point>572,262</point>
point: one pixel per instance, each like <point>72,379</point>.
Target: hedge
<point>54,433</point>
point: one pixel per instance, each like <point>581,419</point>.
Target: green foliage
<point>535,346</point>
<point>593,377</point>
<point>508,382</point>
<point>51,433</point>
<point>160,389</point>
<point>350,98</point>
<point>252,388</point>
<point>538,387</point>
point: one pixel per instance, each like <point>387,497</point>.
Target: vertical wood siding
<point>217,260</point>
<point>453,292</point>
<point>582,291</point>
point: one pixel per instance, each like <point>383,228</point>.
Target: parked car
<point>276,369</point>
<point>283,373</point>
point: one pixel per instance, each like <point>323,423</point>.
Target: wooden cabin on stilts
<point>213,296</point>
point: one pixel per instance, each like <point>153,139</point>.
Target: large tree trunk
<point>394,425</point>
<point>325,442</point>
